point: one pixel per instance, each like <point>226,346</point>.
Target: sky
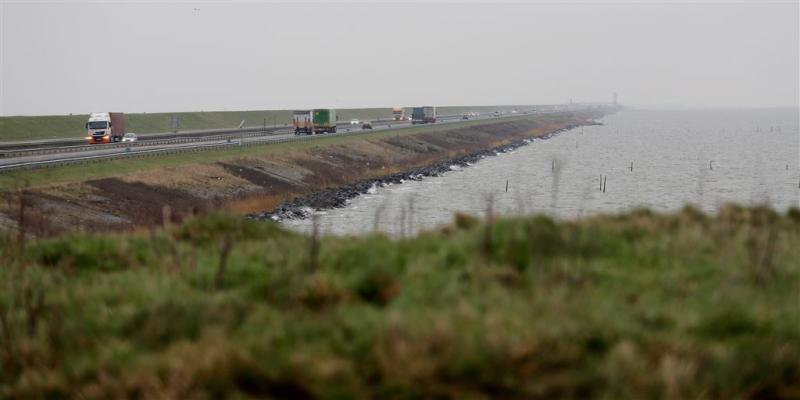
<point>65,57</point>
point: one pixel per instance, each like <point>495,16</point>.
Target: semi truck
<point>105,127</point>
<point>319,120</point>
<point>398,113</point>
<point>423,115</point>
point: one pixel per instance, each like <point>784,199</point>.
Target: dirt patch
<point>272,182</point>
<point>144,203</point>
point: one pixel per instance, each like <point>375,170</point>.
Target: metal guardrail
<point>143,143</point>
<point>188,149</point>
<point>201,147</point>
<point>38,148</point>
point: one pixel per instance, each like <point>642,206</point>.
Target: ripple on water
<point>670,151</point>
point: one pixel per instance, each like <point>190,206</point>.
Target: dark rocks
<point>302,207</point>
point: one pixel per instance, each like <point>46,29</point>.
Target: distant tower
<point>615,98</point>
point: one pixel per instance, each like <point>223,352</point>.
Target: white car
<point>129,137</point>
<point>354,121</point>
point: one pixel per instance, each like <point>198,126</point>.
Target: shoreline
<point>338,197</point>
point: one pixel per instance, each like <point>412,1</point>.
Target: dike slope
<point>261,183</point>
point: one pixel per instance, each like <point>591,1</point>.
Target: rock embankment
<point>302,207</point>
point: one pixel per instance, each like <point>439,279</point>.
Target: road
<point>36,157</point>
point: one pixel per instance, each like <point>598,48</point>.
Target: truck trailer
<point>302,122</point>
<point>324,120</point>
<point>105,127</point>
<point>319,120</point>
<point>423,115</point>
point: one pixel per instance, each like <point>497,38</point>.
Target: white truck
<point>105,127</point>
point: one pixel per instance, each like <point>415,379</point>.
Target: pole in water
<point>631,166</point>
<point>604,183</point>
<point>709,164</point>
<point>506,185</point>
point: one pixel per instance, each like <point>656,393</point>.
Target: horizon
<point>624,107</point>
<point>186,56</point>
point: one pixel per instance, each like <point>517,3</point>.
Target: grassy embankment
<point>633,306</point>
<point>71,126</point>
<point>124,166</point>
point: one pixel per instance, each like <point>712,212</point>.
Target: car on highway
<point>354,121</point>
<point>129,137</point>
<point>366,125</point>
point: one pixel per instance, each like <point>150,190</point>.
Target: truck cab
<point>98,128</point>
<point>398,113</point>
<point>105,127</point>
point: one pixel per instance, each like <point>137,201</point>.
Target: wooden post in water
<point>506,185</point>
<point>604,183</point>
<point>709,164</point>
<point>631,166</point>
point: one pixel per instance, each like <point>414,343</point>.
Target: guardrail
<point>37,147</point>
<point>188,149</point>
<point>143,143</point>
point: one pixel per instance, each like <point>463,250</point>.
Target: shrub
<point>92,252</point>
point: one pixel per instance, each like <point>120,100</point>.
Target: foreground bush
<point>631,306</point>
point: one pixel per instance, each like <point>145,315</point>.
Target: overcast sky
<point>72,57</point>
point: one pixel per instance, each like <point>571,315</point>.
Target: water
<point>702,157</point>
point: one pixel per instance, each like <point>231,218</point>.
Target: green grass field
<point>124,166</point>
<point>632,306</point>
<point>72,126</point>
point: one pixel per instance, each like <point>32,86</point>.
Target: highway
<point>18,156</point>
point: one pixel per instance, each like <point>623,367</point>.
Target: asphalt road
<point>273,134</point>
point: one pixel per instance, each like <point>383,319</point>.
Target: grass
<point>72,126</point>
<point>638,305</point>
<point>124,166</point>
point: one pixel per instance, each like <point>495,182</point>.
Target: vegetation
<point>72,126</point>
<point>631,306</point>
<point>125,166</point>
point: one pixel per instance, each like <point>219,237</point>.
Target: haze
<point>60,58</point>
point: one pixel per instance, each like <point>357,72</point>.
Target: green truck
<point>320,120</point>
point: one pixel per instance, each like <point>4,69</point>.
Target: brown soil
<point>143,204</point>
<point>250,184</point>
